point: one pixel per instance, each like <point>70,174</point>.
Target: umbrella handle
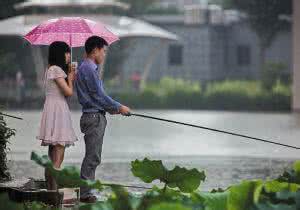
<point>71,48</point>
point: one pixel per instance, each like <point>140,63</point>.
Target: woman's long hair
<point>57,56</point>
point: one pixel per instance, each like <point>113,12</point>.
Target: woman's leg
<point>56,154</point>
<point>50,181</point>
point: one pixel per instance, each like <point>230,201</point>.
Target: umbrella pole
<point>71,48</point>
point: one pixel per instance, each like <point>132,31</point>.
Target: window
<point>175,54</point>
<point>243,55</point>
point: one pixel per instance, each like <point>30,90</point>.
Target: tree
<point>7,8</point>
<point>265,19</point>
<point>5,134</point>
<point>8,65</point>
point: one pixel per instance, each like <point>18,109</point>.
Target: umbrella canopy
<point>72,30</point>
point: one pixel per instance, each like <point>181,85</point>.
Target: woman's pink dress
<point>56,124</point>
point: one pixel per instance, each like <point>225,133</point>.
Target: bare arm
<point>66,86</point>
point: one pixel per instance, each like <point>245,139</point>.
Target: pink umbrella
<point>72,30</point>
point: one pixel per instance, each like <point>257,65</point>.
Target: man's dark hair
<point>57,56</point>
<point>94,42</point>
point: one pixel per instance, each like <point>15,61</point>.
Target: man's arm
<point>98,94</point>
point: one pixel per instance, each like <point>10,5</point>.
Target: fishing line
<point>215,130</point>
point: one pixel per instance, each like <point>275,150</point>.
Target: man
<point>95,103</point>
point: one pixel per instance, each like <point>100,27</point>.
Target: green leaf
<point>296,167</point>
<point>297,199</point>
<point>96,206</point>
<point>37,206</point>
<point>285,195</point>
<point>215,201</point>
<point>270,206</point>
<point>243,196</point>
<point>120,200</point>
<point>7,204</point>
<point>167,195</point>
<point>169,206</point>
<point>186,180</point>
<point>257,192</point>
<point>276,186</point>
<point>149,170</point>
<point>68,176</point>
<point>289,176</point>
<point>41,160</point>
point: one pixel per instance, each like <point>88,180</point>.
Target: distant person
<point>56,129</point>
<point>95,103</point>
<point>20,85</point>
<point>136,80</point>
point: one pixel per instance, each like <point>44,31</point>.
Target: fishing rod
<point>11,116</point>
<point>215,130</point>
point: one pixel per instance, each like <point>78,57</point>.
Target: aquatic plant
<point>5,134</point>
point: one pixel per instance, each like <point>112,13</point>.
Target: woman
<point>56,129</point>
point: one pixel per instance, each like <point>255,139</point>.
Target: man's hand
<point>124,110</point>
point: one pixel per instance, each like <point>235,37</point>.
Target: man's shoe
<point>89,199</point>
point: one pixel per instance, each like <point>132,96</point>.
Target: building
<point>213,45</point>
<point>178,4</point>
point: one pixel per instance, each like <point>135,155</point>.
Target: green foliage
<point>281,89</point>
<point>272,73</point>
<point>7,204</point>
<point>262,13</point>
<point>169,206</point>
<point>155,196</point>
<point>7,8</point>
<point>168,86</point>
<point>238,90</point>
<point>279,194</point>
<point>244,195</point>
<point>5,134</point>
<point>212,201</point>
<point>291,175</point>
<point>96,206</point>
<point>36,206</point>
<point>225,95</point>
<point>120,199</point>
<point>66,177</point>
<point>150,170</point>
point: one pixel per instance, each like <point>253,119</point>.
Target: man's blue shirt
<point>90,90</point>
